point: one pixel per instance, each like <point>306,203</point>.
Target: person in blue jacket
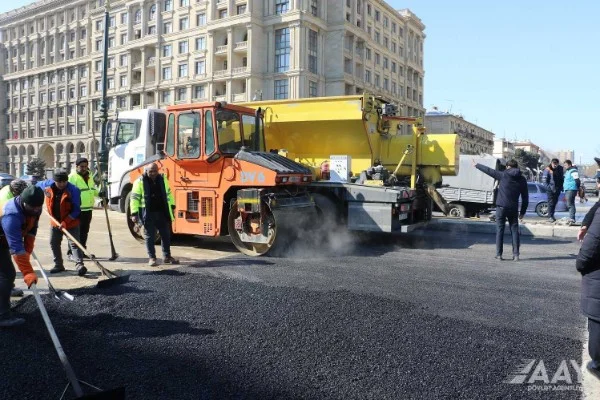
<point>571,186</point>
<point>63,202</point>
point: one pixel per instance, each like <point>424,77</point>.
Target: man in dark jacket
<point>588,264</point>
<point>511,185</point>
<point>553,179</point>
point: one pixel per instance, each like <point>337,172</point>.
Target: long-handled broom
<point>113,394</point>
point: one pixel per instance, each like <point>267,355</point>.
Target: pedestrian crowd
<point>69,199</point>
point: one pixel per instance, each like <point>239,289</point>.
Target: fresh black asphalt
<point>424,317</point>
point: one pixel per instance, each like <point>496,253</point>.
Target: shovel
<point>58,294</point>
<point>112,278</point>
<point>113,394</point>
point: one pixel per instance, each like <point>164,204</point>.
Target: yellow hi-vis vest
<point>5,194</point>
<point>88,190</point>
<point>138,202</point>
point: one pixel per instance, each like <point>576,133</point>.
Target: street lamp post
<point>103,151</point>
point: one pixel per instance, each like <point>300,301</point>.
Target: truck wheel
<point>239,231</point>
<point>457,210</point>
<point>542,209</point>
<point>136,230</point>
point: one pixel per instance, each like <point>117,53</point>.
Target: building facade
<point>563,155</point>
<point>164,52</point>
<point>504,149</point>
<point>473,139</point>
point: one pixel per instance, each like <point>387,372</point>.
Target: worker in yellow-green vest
<point>152,204</point>
<point>10,191</point>
<point>82,179</point>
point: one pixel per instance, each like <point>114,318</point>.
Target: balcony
<point>219,98</point>
<point>241,46</point>
<point>220,73</point>
<point>221,49</point>
<point>150,62</point>
<point>136,65</point>
<point>237,97</point>
<point>239,70</point>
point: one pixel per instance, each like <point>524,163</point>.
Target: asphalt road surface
<point>425,316</point>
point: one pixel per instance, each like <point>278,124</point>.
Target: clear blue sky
<point>527,69</point>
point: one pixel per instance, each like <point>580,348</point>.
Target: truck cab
<point>132,138</point>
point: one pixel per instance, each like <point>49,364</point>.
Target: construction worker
<point>152,204</point>
<point>8,192</point>
<point>19,223</point>
<point>12,190</point>
<point>63,203</point>
<point>85,183</point>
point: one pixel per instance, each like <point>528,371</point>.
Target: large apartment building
<point>164,52</point>
<point>473,139</point>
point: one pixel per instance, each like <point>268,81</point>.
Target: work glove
<point>102,194</point>
<point>134,219</point>
<point>24,265</point>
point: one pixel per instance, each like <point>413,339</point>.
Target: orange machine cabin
<point>213,150</point>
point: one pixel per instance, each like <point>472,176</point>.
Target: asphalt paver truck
<point>351,160</point>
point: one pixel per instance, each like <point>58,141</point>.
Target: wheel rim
<point>250,249</point>
<point>455,212</point>
<point>543,209</point>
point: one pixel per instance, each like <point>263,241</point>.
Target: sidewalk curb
<point>527,229</point>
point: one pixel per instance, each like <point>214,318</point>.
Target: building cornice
<point>33,10</point>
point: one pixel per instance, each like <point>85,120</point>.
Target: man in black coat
<point>588,264</point>
<point>553,179</point>
<point>511,185</point>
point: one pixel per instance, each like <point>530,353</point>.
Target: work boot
<point>81,269</point>
<point>515,258</point>
<point>152,262</point>
<point>16,292</point>
<point>592,370</point>
<point>9,321</point>
<point>57,269</point>
<point>171,260</point>
<point>499,258</point>
<point>552,220</point>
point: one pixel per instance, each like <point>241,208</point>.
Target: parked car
<point>29,179</point>
<point>5,179</point>
<point>538,200</point>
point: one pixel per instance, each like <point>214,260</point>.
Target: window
<point>181,94</point>
<point>201,19</point>
<point>188,135</point>
<point>98,85</point>
<point>281,6</point>
<point>209,139</point>
<point>124,18</point>
<point>83,34</point>
<point>183,47</point>
<point>312,51</point>
<point>123,80</point>
<point>61,94</point>
<point>152,30</point>
<point>200,67</point>
<point>281,89</point>
<point>137,18</point>
<point>368,53</point>
<point>111,42</point>
<point>112,22</point>
<point>223,13</point>
<point>377,36</point>
<point>314,7</point>
<point>377,59</point>
<point>99,24</point>
<point>167,50</point>
<point>377,80</point>
<point>167,27</point>
<point>241,9</point>
<point>81,109</point>
<point>165,96</point>
<point>312,89</point>
<point>111,62</point>
<point>183,70</point>
<point>71,93</point>
<point>368,76</point>
<point>152,12</point>
<point>98,44</point>
<point>377,15</point>
<point>111,83</point>
<point>127,132</point>
<point>168,5</point>
<point>123,59</point>
<point>201,43</point>
<point>183,23</point>
<point>282,50</point>
<point>121,102</point>
<point>385,62</point>
<point>200,92</point>
<point>98,65</point>
<point>123,38</point>
<point>386,83</point>
<point>166,73</point>
<point>184,3</point>
<point>170,146</point>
